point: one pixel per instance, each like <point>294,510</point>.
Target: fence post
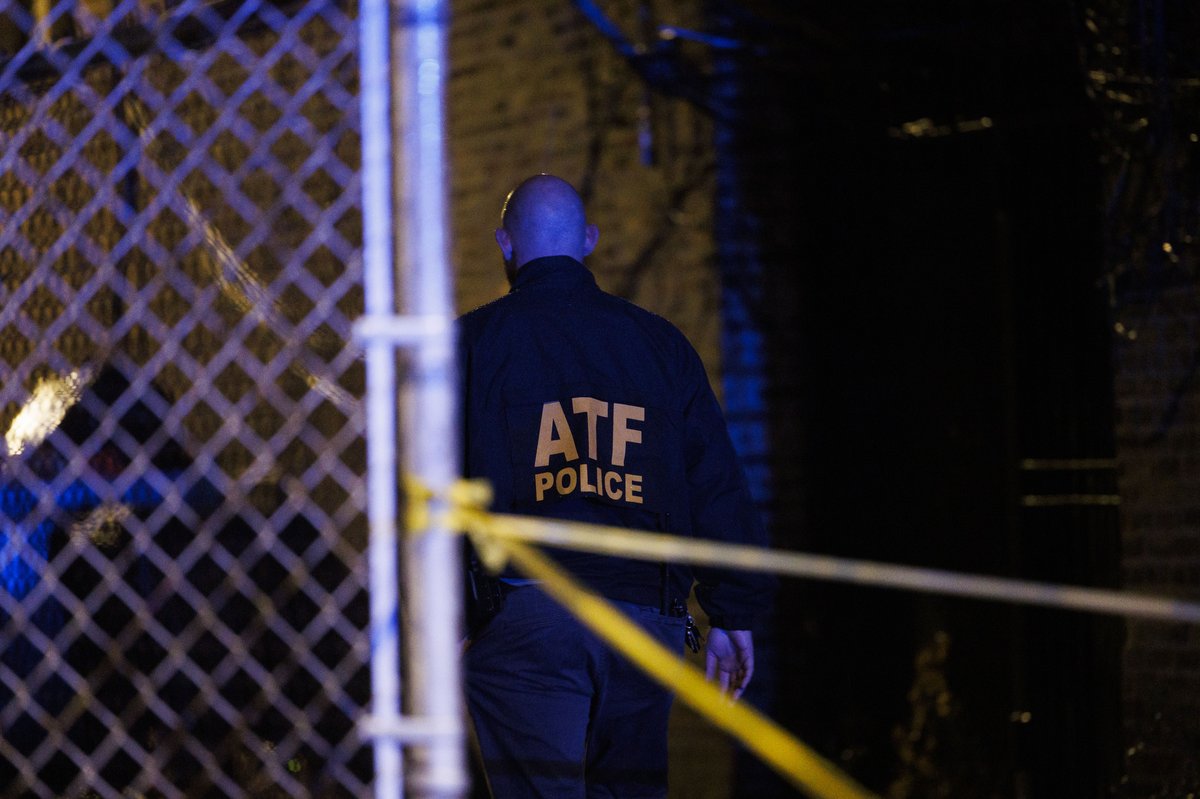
<point>415,177</point>
<point>432,575</point>
<point>378,268</point>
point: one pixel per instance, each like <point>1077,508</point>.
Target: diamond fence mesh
<point>182,593</point>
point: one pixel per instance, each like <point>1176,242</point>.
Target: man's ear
<point>591,235</point>
<point>505,242</point>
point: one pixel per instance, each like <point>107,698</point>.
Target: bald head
<point>544,216</point>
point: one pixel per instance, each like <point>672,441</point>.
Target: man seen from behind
<point>579,405</point>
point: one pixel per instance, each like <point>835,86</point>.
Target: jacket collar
<point>552,271</point>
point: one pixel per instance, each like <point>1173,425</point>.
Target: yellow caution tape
<point>417,497</point>
<point>659,547</point>
<point>800,765</point>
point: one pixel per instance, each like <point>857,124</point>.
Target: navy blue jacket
<point>580,405</point>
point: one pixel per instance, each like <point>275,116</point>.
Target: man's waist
<point>669,599</point>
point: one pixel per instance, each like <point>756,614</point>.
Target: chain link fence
<point>182,591</point>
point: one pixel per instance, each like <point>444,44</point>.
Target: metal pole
<point>432,569</point>
<point>378,267</point>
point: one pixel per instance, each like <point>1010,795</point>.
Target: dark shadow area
<point>921,193</point>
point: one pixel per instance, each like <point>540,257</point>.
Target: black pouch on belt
<point>484,594</point>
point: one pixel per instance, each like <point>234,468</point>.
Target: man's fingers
<point>724,681</point>
<point>743,680</point>
<point>710,666</point>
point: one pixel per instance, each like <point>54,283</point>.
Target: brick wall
<point>1158,445</point>
<point>534,88</point>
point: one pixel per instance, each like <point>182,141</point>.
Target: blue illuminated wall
<point>745,381</point>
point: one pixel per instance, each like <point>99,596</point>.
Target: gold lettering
<point>633,488</point>
<point>623,434</point>
<point>584,486</point>
<point>593,408</point>
<point>554,421</point>
<point>609,479</point>
<point>565,476</point>
<point>542,480</point>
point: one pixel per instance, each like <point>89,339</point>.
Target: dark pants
<point>558,714</point>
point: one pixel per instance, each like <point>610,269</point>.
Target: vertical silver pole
<point>432,569</point>
<point>378,268</point>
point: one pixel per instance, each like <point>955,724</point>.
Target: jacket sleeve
<point>721,508</point>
